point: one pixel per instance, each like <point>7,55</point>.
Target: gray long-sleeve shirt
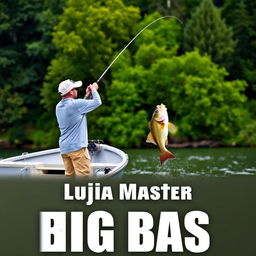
<point>71,117</point>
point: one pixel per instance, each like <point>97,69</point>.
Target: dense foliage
<point>87,36</point>
<point>207,32</point>
<point>241,16</point>
<point>129,107</point>
<point>25,52</point>
<point>204,70</point>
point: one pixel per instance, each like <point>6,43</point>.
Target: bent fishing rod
<point>164,17</point>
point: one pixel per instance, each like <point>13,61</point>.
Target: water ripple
<point>200,158</point>
<point>218,162</point>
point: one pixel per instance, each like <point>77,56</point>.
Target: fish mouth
<point>158,114</point>
<point>160,107</point>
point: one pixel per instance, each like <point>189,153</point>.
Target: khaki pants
<point>77,163</point>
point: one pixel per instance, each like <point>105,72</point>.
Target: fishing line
<point>164,17</point>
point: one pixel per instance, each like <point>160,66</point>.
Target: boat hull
<point>106,161</point>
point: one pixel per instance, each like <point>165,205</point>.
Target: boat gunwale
<point>15,160</point>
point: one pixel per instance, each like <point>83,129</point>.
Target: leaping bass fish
<point>158,134</point>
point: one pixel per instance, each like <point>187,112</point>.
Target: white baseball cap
<point>68,85</point>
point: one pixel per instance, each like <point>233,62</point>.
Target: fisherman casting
<point>71,116</point>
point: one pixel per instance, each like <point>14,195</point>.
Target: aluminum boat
<point>106,161</point>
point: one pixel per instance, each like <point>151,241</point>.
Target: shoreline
<point>184,144</point>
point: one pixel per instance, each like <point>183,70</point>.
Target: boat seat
<point>54,167</point>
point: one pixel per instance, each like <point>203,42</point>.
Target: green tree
<point>241,16</point>
<point>11,108</point>
<point>125,123</point>
<point>87,36</point>
<point>17,28</point>
<point>42,47</point>
<point>207,31</point>
<point>247,136</point>
<point>165,33</point>
<point>150,6</point>
<point>199,100</point>
<point>25,50</point>
<point>179,8</point>
<point>203,103</point>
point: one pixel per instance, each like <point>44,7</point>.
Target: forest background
<point>203,70</point>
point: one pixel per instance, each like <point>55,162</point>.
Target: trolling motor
<point>94,145</point>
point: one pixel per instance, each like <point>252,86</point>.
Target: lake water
<point>188,162</point>
<point>194,162</point>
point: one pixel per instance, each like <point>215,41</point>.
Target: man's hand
<point>89,88</point>
<point>88,92</point>
<point>94,86</point>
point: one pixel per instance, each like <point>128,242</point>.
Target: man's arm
<point>88,92</point>
<point>86,105</point>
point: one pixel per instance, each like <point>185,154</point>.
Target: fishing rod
<point>164,17</point>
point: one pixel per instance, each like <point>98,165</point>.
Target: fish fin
<point>150,139</point>
<point>166,141</point>
<point>162,126</point>
<point>164,156</point>
<point>172,128</point>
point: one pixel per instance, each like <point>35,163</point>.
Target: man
<point>71,117</point>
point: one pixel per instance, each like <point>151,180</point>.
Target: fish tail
<point>164,156</point>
